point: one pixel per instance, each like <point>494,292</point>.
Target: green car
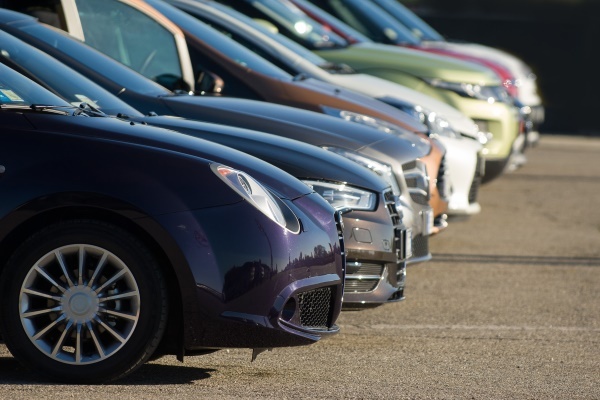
<point>473,89</point>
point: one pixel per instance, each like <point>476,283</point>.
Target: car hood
<point>306,126</point>
<point>524,77</point>
<point>365,56</point>
<point>301,160</point>
<point>282,183</point>
<point>385,90</point>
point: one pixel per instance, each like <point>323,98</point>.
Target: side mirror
<point>173,82</point>
<point>209,83</point>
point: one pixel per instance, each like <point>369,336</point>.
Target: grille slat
<point>315,307</point>
<point>360,285</point>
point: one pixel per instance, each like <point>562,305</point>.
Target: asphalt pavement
<point>509,308</point>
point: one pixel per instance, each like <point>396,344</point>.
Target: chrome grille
<point>315,307</point>
<point>360,285</point>
<point>417,181</point>
<point>362,277</point>
<point>399,229</point>
<point>340,232</point>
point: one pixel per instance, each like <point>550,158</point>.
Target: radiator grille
<point>360,285</point>
<point>363,277</point>
<point>315,307</point>
<point>420,246</point>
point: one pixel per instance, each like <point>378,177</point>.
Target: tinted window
<point>370,20</point>
<point>291,21</point>
<point>94,60</point>
<point>130,37</point>
<point>57,77</point>
<point>409,19</point>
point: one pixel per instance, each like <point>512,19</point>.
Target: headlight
<point>381,169</point>
<point>436,124</point>
<point>362,119</point>
<point>491,94</point>
<point>258,196</point>
<point>342,196</point>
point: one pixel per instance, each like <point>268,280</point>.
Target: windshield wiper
<point>36,107</point>
<point>89,110</point>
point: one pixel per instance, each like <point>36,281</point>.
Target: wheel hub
<point>80,304</point>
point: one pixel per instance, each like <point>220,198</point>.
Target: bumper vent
<point>360,286</point>
<point>442,181</point>
<point>420,246</point>
<point>315,307</point>
<point>474,190</point>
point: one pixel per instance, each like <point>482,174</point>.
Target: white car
<point>457,132</point>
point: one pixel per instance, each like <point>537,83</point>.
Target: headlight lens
<point>383,170</point>
<point>362,119</point>
<point>254,193</point>
<point>342,196</point>
<point>491,94</point>
<point>436,124</point>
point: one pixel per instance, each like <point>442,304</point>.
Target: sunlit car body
<point>376,240</point>
<point>524,80</point>
<point>446,123</point>
<point>309,127</point>
<point>222,66</point>
<point>108,240</point>
<point>367,17</point>
<point>472,89</point>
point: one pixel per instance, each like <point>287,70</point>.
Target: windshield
<point>334,23</point>
<point>16,90</point>
<point>418,27</point>
<point>291,21</point>
<point>253,36</point>
<point>286,42</point>
<point>370,20</point>
<point>193,27</point>
<point>94,60</point>
<point>57,77</point>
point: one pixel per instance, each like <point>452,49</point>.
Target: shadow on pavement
<point>13,373</point>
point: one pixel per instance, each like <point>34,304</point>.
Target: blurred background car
<point>472,89</point>
<point>452,128</point>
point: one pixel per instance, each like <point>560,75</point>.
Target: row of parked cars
<point>183,176</point>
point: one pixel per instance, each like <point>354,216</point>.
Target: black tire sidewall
<point>136,257</point>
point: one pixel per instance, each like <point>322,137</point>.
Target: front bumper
<point>247,282</point>
<point>377,245</point>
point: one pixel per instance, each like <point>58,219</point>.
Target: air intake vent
<point>315,307</point>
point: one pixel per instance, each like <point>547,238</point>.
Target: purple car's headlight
<point>257,195</point>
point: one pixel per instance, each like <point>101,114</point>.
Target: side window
<point>132,38</point>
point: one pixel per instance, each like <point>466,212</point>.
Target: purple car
<point>116,237</point>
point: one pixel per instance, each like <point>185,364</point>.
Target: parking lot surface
<point>508,308</point>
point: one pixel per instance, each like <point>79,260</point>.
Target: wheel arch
<point>38,213</point>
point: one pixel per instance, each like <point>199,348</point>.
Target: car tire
<point>83,302</point>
